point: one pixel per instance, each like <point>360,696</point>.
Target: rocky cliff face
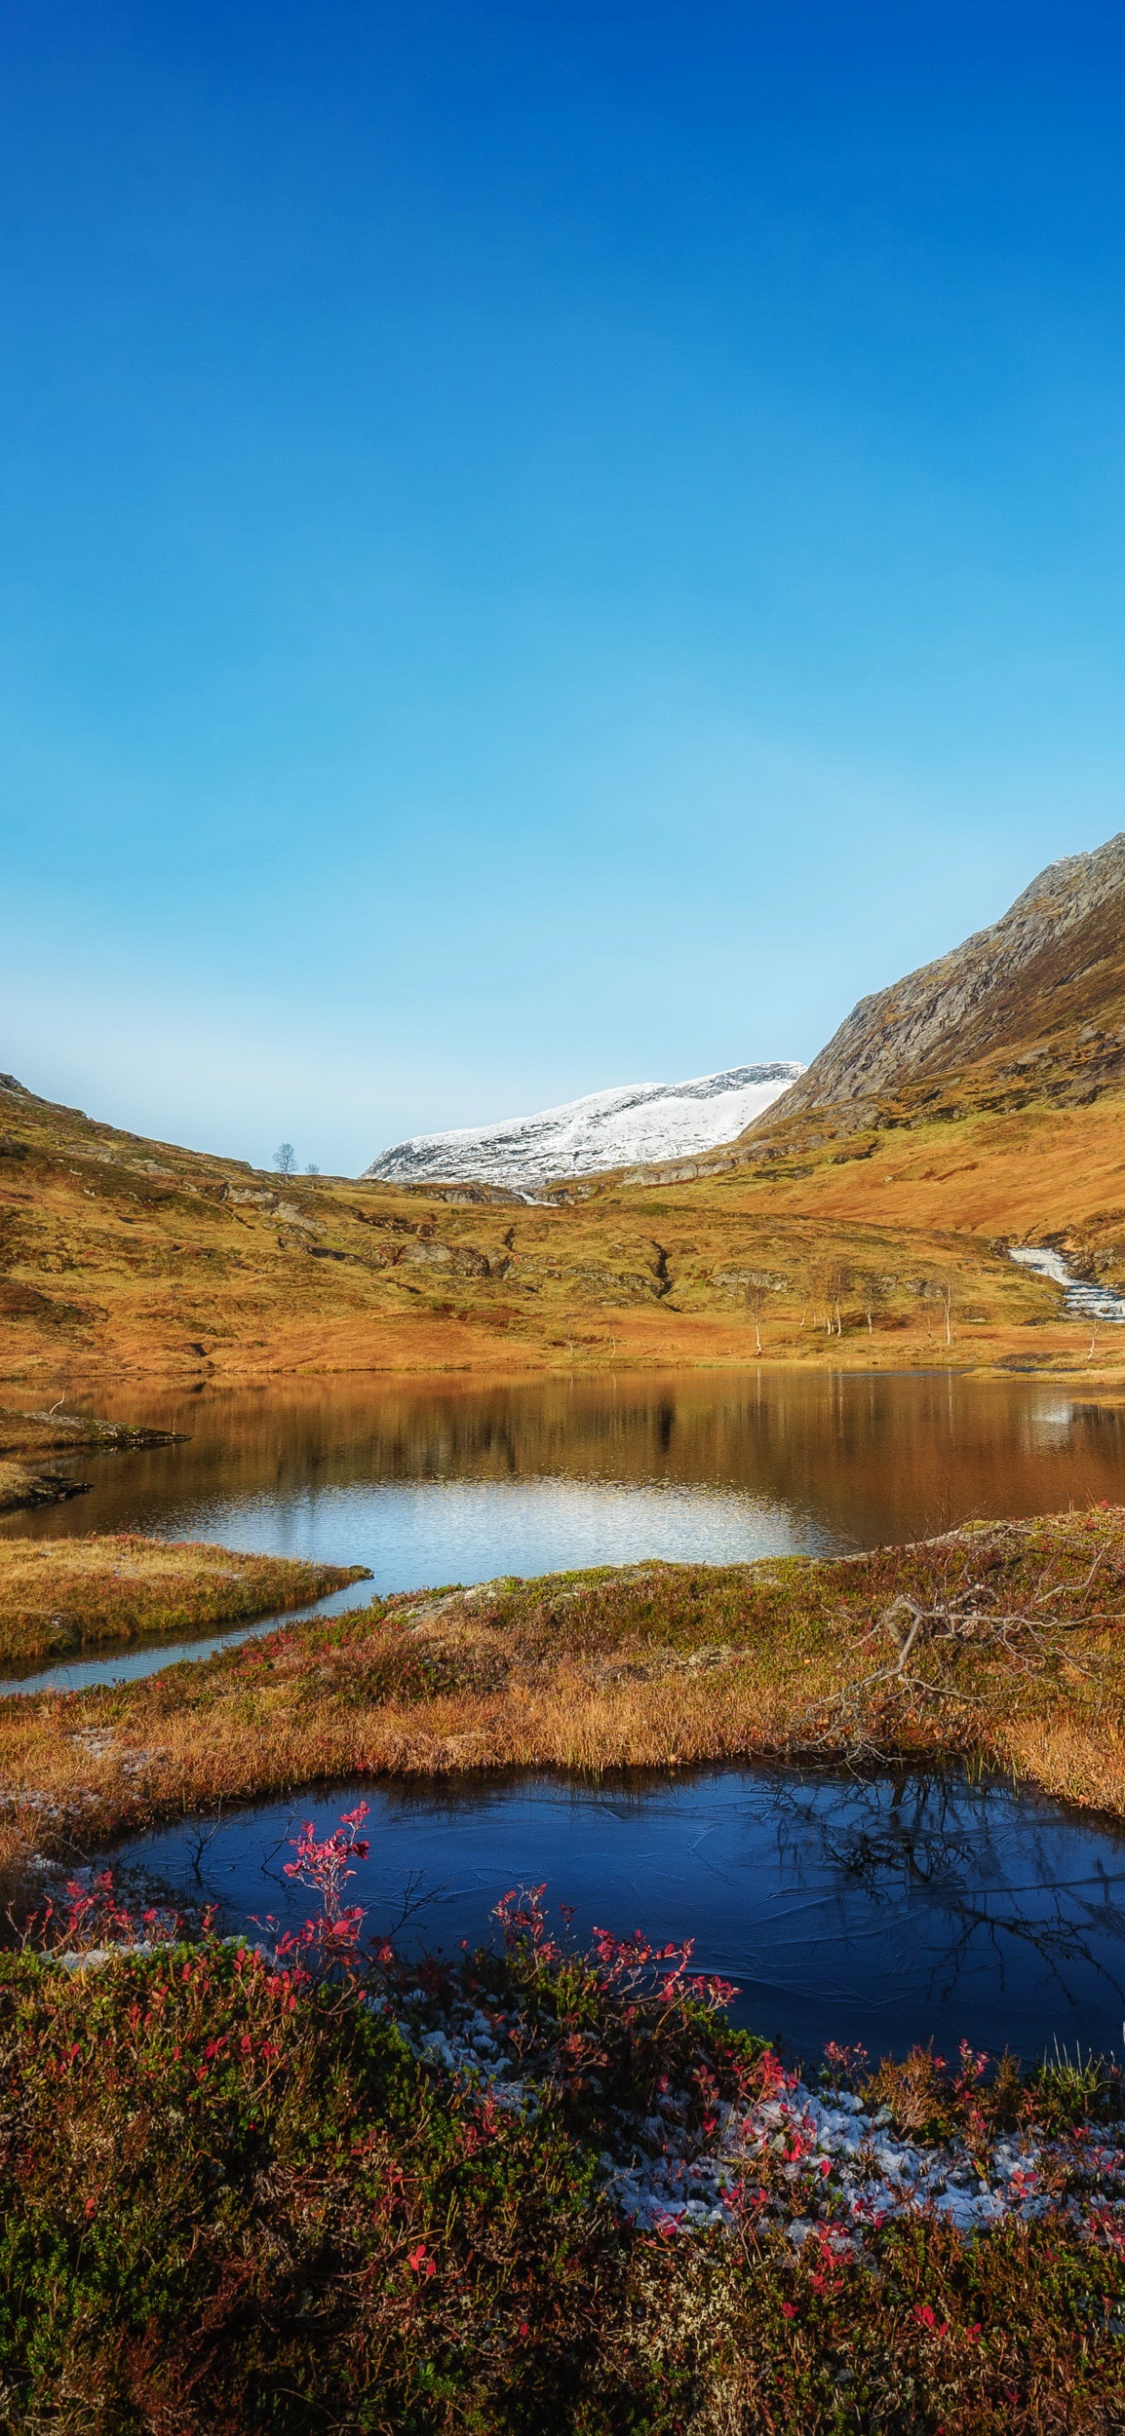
<point>1035,1002</point>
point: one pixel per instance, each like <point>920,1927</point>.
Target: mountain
<point>129,1261</point>
<point>607,1129</point>
<point>1031,1008</point>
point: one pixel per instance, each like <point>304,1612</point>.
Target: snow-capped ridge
<point>626,1126</point>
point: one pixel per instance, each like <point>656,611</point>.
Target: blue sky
<point>540,546</point>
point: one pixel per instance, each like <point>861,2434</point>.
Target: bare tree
<point>938,1288</point>
<point>285,1159</point>
<point>821,1293</point>
<point>840,1279</point>
<point>758,1292</point>
<point>312,1169</point>
<point>874,1293</point>
<point>945,1297</point>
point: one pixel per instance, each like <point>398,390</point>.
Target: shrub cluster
<point>243,2189</point>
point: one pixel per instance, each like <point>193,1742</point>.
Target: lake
<point>883,1910</point>
<point>439,1480</point>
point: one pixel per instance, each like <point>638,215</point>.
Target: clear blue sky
<point>540,545</point>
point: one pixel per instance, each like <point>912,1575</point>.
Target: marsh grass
<point>63,1595</point>
<point>639,1666</point>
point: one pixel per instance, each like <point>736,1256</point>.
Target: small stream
<point>887,1909</point>
<point>1086,1300</point>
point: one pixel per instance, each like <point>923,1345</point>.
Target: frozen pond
<point>883,1910</point>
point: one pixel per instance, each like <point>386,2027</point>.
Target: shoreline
<point>101,1379</point>
<point>1017,1666</point>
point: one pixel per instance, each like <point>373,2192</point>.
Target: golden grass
<point>54,1432</point>
<point>646,1666</point>
<point>58,1596</point>
<point>132,1261</point>
<point>1029,1174</point>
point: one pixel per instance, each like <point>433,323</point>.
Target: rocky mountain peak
<point>1043,988</point>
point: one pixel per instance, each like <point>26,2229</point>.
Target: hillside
<point>1032,1008</point>
<point>126,1260</point>
<point>606,1129</point>
<point>866,1218</point>
<point>983,1095</point>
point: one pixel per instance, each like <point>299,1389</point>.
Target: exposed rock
<point>1047,983</point>
<point>20,1488</point>
<point>27,1432</point>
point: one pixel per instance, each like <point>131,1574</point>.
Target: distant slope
<point>606,1129</point>
<point>124,1260</point>
<point>1032,1006</point>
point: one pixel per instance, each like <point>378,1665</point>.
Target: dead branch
<point>964,1621</point>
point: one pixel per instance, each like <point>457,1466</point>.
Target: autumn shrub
<point>243,2187</point>
<point>233,2199</point>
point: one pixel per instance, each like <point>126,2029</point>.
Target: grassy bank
<point>57,1433</point>
<point>999,1644</point>
<point>59,1596</point>
<point>23,1487</point>
<point>237,2196</point>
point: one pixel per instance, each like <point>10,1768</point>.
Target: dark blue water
<point>885,1911</point>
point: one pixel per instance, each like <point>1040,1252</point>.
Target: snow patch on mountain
<point>628,1127</point>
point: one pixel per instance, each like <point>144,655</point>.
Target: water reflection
<point>882,1910</point>
<point>443,1480</point>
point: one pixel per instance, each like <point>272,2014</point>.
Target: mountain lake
<point>885,1908</point>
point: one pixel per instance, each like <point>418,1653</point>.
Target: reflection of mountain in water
<point>860,1460</point>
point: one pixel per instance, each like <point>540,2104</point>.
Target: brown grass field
<point>1017,1666</point>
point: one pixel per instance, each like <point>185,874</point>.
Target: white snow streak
<point>631,1126</point>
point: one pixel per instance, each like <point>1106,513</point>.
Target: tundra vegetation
<point>305,2184</point>
<point>287,2185</point>
<point>997,1645</point>
<point>61,1596</point>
